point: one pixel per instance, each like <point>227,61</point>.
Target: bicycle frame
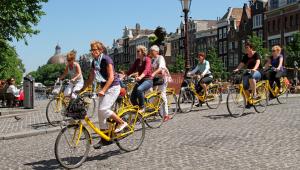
<point>203,97</point>
<point>275,90</point>
<point>109,132</point>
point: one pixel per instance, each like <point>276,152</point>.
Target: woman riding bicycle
<point>277,70</point>
<point>203,68</point>
<point>160,70</point>
<point>252,61</point>
<point>74,70</point>
<point>142,65</point>
<point>103,71</point>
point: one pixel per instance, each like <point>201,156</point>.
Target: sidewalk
<point>20,123</point>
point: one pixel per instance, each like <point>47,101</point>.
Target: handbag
<point>157,81</point>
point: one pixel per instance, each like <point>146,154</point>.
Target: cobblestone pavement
<point>206,139</point>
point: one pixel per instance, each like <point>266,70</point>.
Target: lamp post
<point>186,4</point>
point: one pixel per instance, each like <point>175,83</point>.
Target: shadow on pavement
<point>40,125</point>
<point>226,116</point>
<point>53,163</point>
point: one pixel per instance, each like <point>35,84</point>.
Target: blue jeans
<point>137,95</point>
<point>256,75</point>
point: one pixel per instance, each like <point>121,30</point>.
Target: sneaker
<point>166,118</point>
<point>121,127</point>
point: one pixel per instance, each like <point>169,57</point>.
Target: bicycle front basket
<point>77,109</point>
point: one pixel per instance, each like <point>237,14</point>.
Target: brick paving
<point>204,139</point>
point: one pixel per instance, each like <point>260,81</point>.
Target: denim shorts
<point>253,75</point>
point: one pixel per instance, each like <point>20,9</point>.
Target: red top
<point>145,67</point>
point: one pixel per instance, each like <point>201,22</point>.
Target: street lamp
<point>186,4</point>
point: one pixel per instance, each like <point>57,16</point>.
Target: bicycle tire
<point>217,97</point>
<point>262,93</point>
<point>282,98</point>
<point>91,107</point>
<point>154,120</point>
<point>172,104</point>
<point>234,97</point>
<point>59,151</point>
<point>186,100</point>
<point>54,118</point>
<point>128,143</point>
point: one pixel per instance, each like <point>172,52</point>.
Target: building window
<point>220,33</point>
<point>274,42</point>
<point>288,39</point>
<point>236,59</point>
<point>236,44</point>
<point>260,33</point>
<point>230,45</point>
<point>230,60</point>
<point>220,48</point>
<point>290,1</point>
<point>225,32</point>
<point>225,46</point>
<point>291,21</point>
<point>274,4</point>
<point>225,62</point>
<point>257,21</point>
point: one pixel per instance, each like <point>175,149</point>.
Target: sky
<point>73,24</point>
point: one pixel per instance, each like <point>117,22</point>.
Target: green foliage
<point>216,64</point>
<point>257,42</point>
<point>178,67</point>
<point>47,74</point>
<point>10,64</point>
<point>17,18</point>
<point>293,51</point>
<point>121,67</point>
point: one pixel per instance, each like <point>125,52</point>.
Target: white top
<point>13,89</point>
<point>160,62</point>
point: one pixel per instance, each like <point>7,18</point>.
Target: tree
<point>293,51</point>
<point>178,67</point>
<point>216,64</point>
<point>10,64</point>
<point>257,42</point>
<point>47,74</point>
<point>17,18</point>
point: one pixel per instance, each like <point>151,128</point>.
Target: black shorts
<point>206,80</point>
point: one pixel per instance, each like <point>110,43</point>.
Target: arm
<point>147,69</point>
<point>132,68</point>
<point>64,74</point>
<point>280,63</point>
<point>78,72</point>
<point>256,65</point>
<point>207,67</point>
<point>195,70</point>
<point>110,79</point>
<point>241,65</point>
<point>161,66</point>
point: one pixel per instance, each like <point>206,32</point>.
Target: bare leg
<point>117,118</point>
<point>252,86</point>
<point>203,85</point>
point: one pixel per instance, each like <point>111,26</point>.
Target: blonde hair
<point>276,48</point>
<point>71,55</point>
<point>99,45</point>
<point>143,49</point>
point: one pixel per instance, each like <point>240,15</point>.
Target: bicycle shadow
<point>227,116</point>
<point>53,163</point>
<point>40,125</point>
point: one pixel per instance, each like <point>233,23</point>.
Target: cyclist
<point>142,65</point>
<point>103,71</point>
<point>74,70</point>
<point>276,62</point>
<point>159,68</point>
<point>252,61</point>
<point>204,68</point>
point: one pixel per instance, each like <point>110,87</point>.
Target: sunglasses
<point>95,49</point>
<point>138,51</point>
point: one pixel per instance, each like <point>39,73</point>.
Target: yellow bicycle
<point>55,110</point>
<point>73,142</point>
<point>274,90</point>
<point>188,95</point>
<point>237,98</point>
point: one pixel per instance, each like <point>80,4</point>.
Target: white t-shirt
<point>160,62</point>
<point>13,89</point>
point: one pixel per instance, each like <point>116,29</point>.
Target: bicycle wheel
<point>261,104</point>
<point>134,139</point>
<point>71,150</point>
<point>172,104</point>
<point>214,97</point>
<point>54,112</point>
<point>235,103</point>
<point>282,98</point>
<point>186,100</point>
<point>154,104</point>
